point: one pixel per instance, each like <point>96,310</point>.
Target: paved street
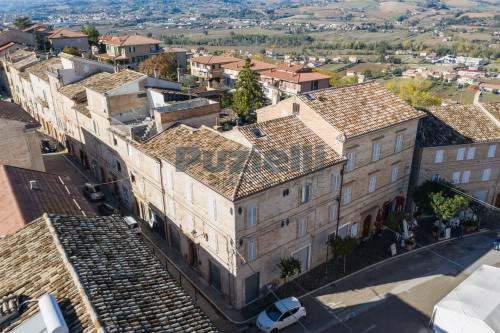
<point>398,296</point>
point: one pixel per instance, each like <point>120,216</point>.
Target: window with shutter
<point>211,207</point>
<point>302,227</point>
<point>333,213</point>
<point>252,251</point>
<point>344,230</point>
<point>376,152</point>
<point>439,156</point>
<point>373,180</point>
<point>190,223</point>
<point>354,230</point>
<point>350,161</point>
<point>137,160</point>
<point>252,216</point>
<point>157,172</point>
<point>486,175</point>
<point>159,202</point>
<point>460,154</point>
<point>465,177</point>
<point>170,183</point>
<point>336,182</point>
<point>394,175</point>
<point>212,238</point>
<point>470,153</point>
<point>491,150</point>
<point>347,196</point>
<point>456,178</point>
<point>306,193</point>
<point>399,143</point>
<point>171,206</point>
<point>129,150</point>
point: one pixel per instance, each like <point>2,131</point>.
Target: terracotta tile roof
<point>54,194</point>
<point>283,135</point>
<point>360,108</point>
<point>28,61</point>
<point>6,46</point>
<point>294,77</point>
<point>108,56</point>
<point>235,181</point>
<point>457,124</point>
<point>493,109</point>
<point>73,89</point>
<point>39,27</point>
<point>114,81</point>
<point>12,111</point>
<point>209,60</point>
<point>128,288</point>
<point>293,68</point>
<point>128,40</point>
<point>258,65</point>
<point>40,68</point>
<point>82,108</point>
<point>63,33</point>
<point>489,85</point>
<point>31,267</point>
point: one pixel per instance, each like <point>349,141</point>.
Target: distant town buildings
<point>128,51</point>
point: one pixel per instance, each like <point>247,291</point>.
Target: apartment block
<point>210,67</point>
<point>128,51</point>
<point>375,131</point>
<point>460,144</point>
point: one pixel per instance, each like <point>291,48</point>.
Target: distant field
<point>359,68</point>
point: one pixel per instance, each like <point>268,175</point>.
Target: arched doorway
<point>366,226</point>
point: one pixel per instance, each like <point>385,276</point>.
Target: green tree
<point>446,207</point>
<point>343,246</point>
<point>72,50</point>
<point>41,43</point>
<point>421,194</point>
<point>93,34</point>
<point>289,267</point>
<point>248,96</point>
<point>164,63</point>
<point>414,91</point>
<point>22,23</point>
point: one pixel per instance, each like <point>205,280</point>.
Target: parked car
<point>93,192</point>
<point>106,209</point>
<point>281,314</point>
<point>47,146</point>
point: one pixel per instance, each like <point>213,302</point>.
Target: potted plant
<point>410,243</point>
<point>434,229</point>
<point>470,225</point>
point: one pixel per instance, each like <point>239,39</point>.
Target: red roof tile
<point>128,40</point>
<point>63,33</point>
<point>12,111</point>
<point>208,60</point>
<point>19,205</point>
<point>294,77</point>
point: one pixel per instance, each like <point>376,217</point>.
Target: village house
<point>128,51</point>
<point>376,131</point>
<point>291,80</point>
<point>210,67</point>
<point>353,59</point>
<point>232,70</point>
<point>27,194</point>
<point>234,220</point>
<point>19,142</point>
<point>9,34</point>
<point>459,143</point>
<point>489,87</point>
<point>61,38</point>
<point>180,56</point>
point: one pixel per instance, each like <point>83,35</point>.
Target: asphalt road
<point>398,296</point>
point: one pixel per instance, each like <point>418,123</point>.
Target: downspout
<point>339,200</point>
<point>164,203</point>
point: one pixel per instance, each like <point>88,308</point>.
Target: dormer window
<point>257,133</point>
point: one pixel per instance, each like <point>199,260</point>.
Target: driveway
<point>398,296</point>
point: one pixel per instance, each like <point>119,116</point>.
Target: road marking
<point>369,328</point>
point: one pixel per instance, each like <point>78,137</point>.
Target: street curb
<point>390,259</point>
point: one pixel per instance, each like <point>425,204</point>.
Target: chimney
<point>33,185</point>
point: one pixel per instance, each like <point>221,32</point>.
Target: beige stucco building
<point>460,144</point>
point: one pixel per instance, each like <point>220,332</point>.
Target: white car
<point>281,314</point>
